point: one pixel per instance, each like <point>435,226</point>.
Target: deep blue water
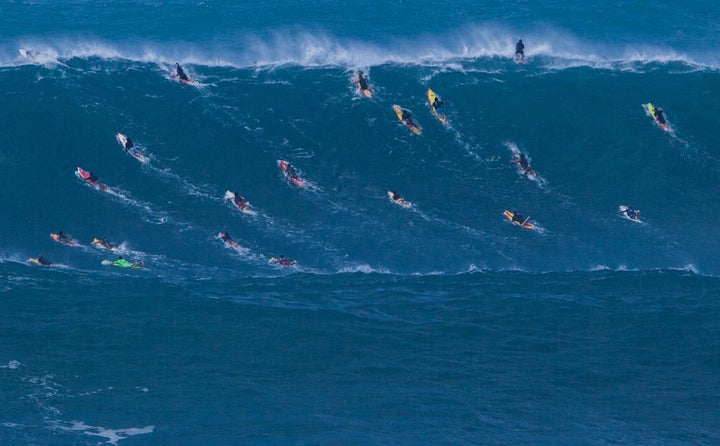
<point>438,324</point>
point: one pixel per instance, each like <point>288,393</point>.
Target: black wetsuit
<point>523,162</point>
<point>520,48</point>
<point>291,172</point>
<point>407,117</point>
<point>129,144</point>
<point>659,116</point>
<point>180,73</point>
<point>362,82</point>
<point>632,213</point>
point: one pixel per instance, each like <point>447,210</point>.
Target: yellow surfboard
<point>651,109</point>
<point>525,224</point>
<point>411,125</point>
<point>431,99</point>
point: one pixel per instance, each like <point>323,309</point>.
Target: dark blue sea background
<point>442,323</point>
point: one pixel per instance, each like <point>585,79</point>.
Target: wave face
<point>584,130</point>
<point>445,302</point>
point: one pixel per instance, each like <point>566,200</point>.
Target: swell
<point>228,130</point>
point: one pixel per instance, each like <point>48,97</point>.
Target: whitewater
<point>439,323</point>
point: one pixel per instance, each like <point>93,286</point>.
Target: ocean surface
<point>439,323</point>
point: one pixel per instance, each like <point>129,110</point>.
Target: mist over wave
<point>315,48</point>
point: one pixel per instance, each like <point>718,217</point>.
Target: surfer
<point>240,201</point>
<point>124,263</point>
<point>522,160</point>
<point>41,260</point>
<point>362,81</point>
<point>105,243</point>
<point>520,50</point>
<point>92,179</point>
<point>407,117</point>
<point>437,103</point>
<point>62,237</point>
<point>180,73</point>
<point>659,116</point>
<point>397,198</point>
<point>519,218</point>
<point>291,172</point>
<point>128,143</point>
<point>283,261</point>
<point>224,236</point>
<point>632,213</point>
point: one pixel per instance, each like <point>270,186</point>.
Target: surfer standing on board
<point>520,50</point>
<point>180,73</point>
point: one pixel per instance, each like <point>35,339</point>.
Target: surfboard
<point>122,263</point>
<point>85,175</point>
<point>36,261</point>
<point>294,179</point>
<point>132,151</point>
<point>187,81</point>
<point>400,202</point>
<point>431,99</point>
<point>411,125</point>
<point>246,207</point>
<point>524,224</point>
<point>651,110</point>
<point>622,212</point>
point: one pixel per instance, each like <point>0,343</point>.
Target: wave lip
<point>547,48</point>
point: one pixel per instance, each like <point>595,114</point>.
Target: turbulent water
<point>441,323</point>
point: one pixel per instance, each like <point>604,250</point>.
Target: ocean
<point>438,323</point>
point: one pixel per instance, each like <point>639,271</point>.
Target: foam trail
<point>112,436</point>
